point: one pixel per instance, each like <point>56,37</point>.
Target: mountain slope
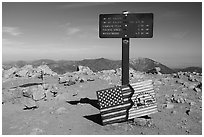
<point>145,64</point>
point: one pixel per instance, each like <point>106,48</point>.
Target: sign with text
<point>133,25</point>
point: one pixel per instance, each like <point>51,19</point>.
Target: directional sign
<point>133,25</point>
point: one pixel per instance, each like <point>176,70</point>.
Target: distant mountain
<point>190,69</point>
<point>145,64</point>
<point>100,64</point>
<point>63,66</point>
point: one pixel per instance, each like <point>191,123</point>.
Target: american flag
<point>114,104</point>
<point>144,100</point>
<point>126,102</point>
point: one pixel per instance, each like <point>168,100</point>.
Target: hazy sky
<point>69,31</point>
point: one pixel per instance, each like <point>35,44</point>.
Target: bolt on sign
<point>129,100</point>
<point>126,102</point>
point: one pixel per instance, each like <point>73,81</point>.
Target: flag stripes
<point>126,102</point>
<point>144,100</point>
<point>117,112</point>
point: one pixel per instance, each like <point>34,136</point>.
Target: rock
<point>46,70</point>
<point>63,80</point>
<point>10,72</point>
<point>175,75</point>
<point>82,79</point>
<point>45,86</point>
<point>199,85</point>
<point>25,71</point>
<point>84,70</point>
<point>108,72</point>
<point>118,71</point>
<point>90,79</point>
<point>29,103</point>
<point>143,122</point>
<point>173,112</point>
<point>140,121</point>
<point>61,110</point>
<point>69,83</point>
<point>191,78</point>
<point>54,89</point>
<point>157,82</point>
<point>179,81</point>
<point>192,86</point>
<point>188,112</point>
<point>36,131</point>
<point>197,89</point>
<point>169,105</point>
<point>38,93</point>
<point>27,92</point>
<point>155,70</point>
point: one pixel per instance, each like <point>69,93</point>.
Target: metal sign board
<point>133,25</point>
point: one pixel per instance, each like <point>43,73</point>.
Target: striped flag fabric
<point>125,102</point>
<point>143,98</point>
<point>114,104</point>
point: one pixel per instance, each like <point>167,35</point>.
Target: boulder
<point>25,71</point>
<point>38,93</point>
<point>155,70</point>
<point>10,72</point>
<point>46,70</point>
<point>84,70</point>
<point>119,71</point>
<point>29,103</point>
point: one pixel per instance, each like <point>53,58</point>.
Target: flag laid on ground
<point>143,98</point>
<point>126,102</point>
<point>114,104</point>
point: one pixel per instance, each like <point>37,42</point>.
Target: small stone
<point>173,112</point>
<point>45,86</point>
<point>169,105</point>
<point>188,112</point>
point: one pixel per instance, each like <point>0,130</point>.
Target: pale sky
<point>69,31</point>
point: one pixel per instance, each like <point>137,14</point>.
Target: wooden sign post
<point>125,26</point>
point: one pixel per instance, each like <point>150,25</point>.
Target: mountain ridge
<point>99,64</point>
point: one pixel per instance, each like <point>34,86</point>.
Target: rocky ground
<point>39,101</point>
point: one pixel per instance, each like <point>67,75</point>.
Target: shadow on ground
<point>96,118</point>
<point>92,102</point>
